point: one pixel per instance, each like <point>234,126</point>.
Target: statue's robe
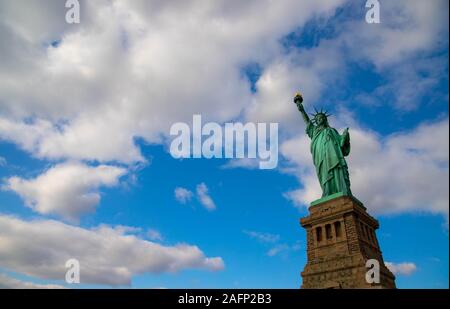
<point>328,149</point>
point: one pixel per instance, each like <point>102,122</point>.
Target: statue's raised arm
<point>298,99</point>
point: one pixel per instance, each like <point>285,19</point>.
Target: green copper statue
<point>328,149</point>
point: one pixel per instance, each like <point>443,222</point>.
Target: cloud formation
<point>158,69</point>
<point>405,269</point>
<point>183,195</point>
<point>7,282</point>
<point>400,50</point>
<point>204,197</point>
<point>263,237</point>
<point>154,235</point>
<point>107,255</point>
<point>68,190</point>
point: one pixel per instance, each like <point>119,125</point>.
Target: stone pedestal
<point>340,239</point>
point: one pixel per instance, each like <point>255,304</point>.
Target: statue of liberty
<point>328,149</point>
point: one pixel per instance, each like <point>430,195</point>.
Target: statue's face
<point>321,119</point>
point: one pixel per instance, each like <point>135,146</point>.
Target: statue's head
<point>320,118</point>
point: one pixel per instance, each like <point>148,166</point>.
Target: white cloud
<point>400,49</point>
<point>263,237</point>
<point>277,249</point>
<point>183,195</point>
<point>309,71</point>
<point>389,175</point>
<point>405,269</point>
<point>403,50</point>
<point>68,190</point>
<point>407,28</point>
<point>283,249</point>
<point>204,197</point>
<point>159,68</point>
<point>408,83</point>
<point>154,235</point>
<point>33,20</point>
<point>3,161</point>
<point>246,163</point>
<point>7,282</point>
<point>82,138</point>
<point>161,71</point>
<point>106,255</point>
<point>274,241</point>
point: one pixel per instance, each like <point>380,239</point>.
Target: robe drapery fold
<point>328,149</point>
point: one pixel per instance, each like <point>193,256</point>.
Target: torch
<point>298,99</point>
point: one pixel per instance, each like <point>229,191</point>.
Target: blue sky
<point>84,151</point>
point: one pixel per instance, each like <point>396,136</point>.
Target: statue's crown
<point>320,112</point>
